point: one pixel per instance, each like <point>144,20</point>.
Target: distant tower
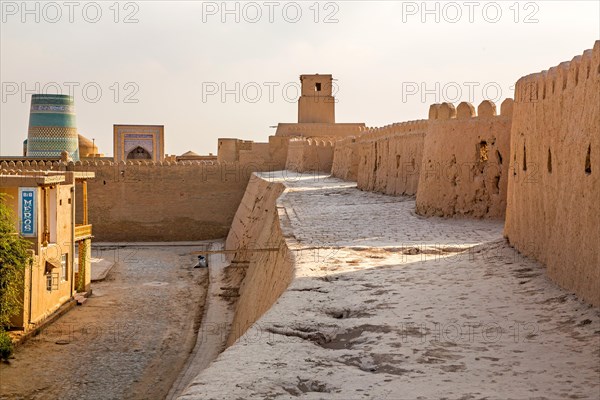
<point>316,104</point>
<point>52,127</point>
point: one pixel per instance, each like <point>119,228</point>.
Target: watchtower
<point>316,104</point>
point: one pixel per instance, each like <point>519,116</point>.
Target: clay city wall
<point>310,154</point>
<point>145,201</point>
<point>345,159</point>
<point>278,150</point>
<point>169,202</point>
<point>228,149</point>
<point>259,152</point>
<point>465,160</point>
<point>554,188</point>
<point>273,153</point>
<point>261,255</point>
<point>389,158</point>
<point>257,203</point>
<point>338,130</point>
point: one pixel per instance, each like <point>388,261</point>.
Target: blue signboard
<point>27,207</point>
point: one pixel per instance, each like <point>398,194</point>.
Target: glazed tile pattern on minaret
<point>52,126</point>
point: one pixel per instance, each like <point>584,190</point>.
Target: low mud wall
<point>257,251</point>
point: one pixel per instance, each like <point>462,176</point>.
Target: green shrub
<point>6,346</point>
<point>13,260</point>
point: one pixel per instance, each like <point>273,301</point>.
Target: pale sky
<point>390,60</point>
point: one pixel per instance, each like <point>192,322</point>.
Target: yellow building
<point>44,206</point>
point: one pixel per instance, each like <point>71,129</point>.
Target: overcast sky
<point>168,63</point>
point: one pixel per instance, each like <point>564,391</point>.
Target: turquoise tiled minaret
<point>52,127</point>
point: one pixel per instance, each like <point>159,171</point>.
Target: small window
<point>318,87</point>
<point>51,281</point>
<point>63,268</point>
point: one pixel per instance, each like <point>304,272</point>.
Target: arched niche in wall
<point>139,153</point>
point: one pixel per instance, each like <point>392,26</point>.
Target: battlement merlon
<point>565,77</point>
<point>466,110</point>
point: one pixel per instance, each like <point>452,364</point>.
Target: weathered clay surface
<point>385,304</point>
<point>390,158</point>
<point>553,209</point>
<point>465,161</point>
<point>306,155</point>
<point>345,159</point>
<point>261,259</point>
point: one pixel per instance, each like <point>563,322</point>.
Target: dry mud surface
<point>389,305</point>
<point>128,341</point>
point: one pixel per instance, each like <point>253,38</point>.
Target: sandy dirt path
<point>215,327</point>
<point>128,341</point>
